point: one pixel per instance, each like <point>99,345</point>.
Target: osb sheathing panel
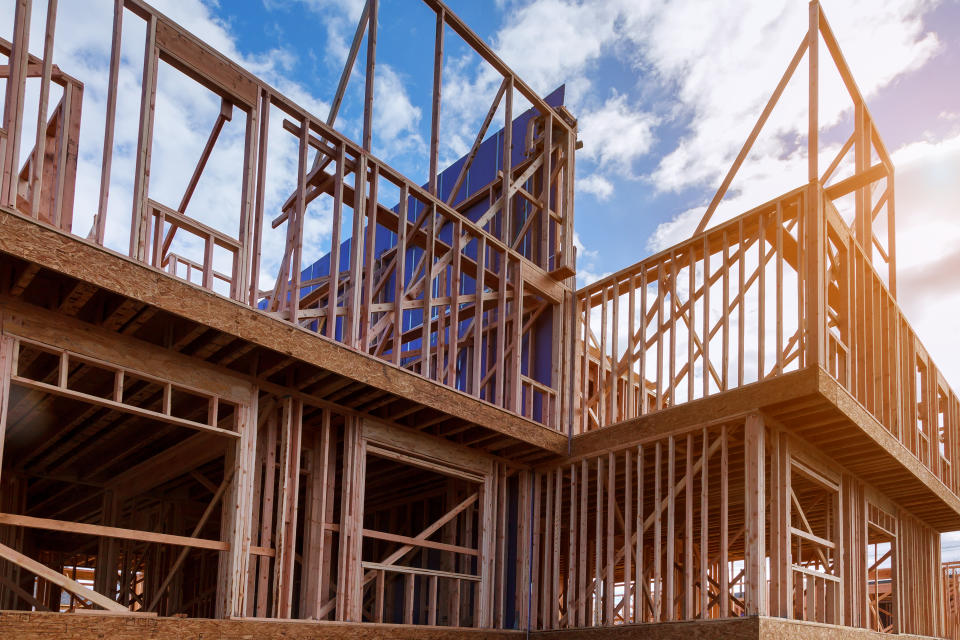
<point>17,625</point>
<point>779,629</point>
<point>732,629</point>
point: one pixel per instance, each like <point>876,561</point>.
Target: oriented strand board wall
<point>730,629</point>
<point>17,625</point>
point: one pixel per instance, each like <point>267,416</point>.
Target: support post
<point>140,224</point>
<point>13,107</point>
<point>106,574</point>
<point>248,206</point>
<point>350,574</point>
<point>291,423</point>
<point>435,109</point>
<point>100,224</point>
<point>7,356</point>
<point>36,177</point>
<point>485,562</point>
<point>239,505</point>
<point>813,125</point>
<point>755,578</point>
<point>371,64</point>
<point>317,537</point>
<point>781,560</point>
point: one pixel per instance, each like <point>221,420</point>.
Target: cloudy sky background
<point>665,94</point>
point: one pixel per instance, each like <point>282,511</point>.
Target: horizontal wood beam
<point>856,181</point>
<point>119,406</point>
<point>49,524</point>
<point>693,415</point>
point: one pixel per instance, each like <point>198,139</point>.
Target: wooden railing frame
<point>849,325</point>
<point>525,236</point>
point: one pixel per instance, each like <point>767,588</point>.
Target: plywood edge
<point>834,392</point>
<point>718,408</point>
<point>746,628</point>
<point>23,624</point>
<point>781,629</point>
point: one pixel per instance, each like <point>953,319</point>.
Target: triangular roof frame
<point>864,141</point>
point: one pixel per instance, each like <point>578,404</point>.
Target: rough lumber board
<point>185,53</point>
<point>728,629</point>
<point>10,519</point>
<point>427,447</point>
<point>692,415</point>
<point>78,296</point>
<point>780,629</point>
<point>85,261</point>
<point>24,279</point>
<point>857,414</point>
<point>16,625</point>
<point>32,322</point>
<point>21,624</point>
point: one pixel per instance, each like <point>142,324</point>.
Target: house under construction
<point>425,427</point>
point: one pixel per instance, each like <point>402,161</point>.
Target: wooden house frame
<point>740,436</point>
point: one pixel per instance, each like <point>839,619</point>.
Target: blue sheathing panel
<point>483,170</point>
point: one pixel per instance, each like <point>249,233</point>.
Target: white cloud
<point>596,185</point>
<point>757,183</point>
<point>352,8</point>
<point>616,134</point>
<point>673,231</point>
<point>551,42</point>
<point>396,120</point>
<point>587,272</point>
<point>928,246</point>
<point>468,91</point>
<point>723,84</point>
